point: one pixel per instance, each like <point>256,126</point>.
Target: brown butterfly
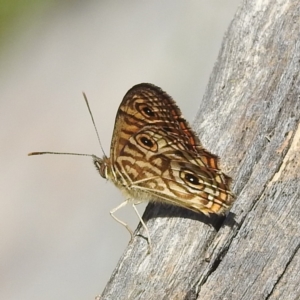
<point>155,156</point>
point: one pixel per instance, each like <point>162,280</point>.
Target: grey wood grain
<point>250,117</point>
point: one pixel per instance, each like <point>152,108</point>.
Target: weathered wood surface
<point>250,117</point>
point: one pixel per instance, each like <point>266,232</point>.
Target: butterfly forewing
<point>146,104</point>
<point>155,154</point>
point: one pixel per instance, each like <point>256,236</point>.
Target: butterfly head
<point>102,165</point>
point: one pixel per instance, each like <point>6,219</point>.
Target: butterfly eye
<point>146,142</point>
<point>101,166</point>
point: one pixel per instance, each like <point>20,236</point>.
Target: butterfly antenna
<point>88,106</point>
<point>61,153</point>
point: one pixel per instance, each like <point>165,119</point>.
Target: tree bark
<point>249,116</point>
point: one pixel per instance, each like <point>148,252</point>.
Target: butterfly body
<point>155,156</point>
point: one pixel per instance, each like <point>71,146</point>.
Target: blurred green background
<point>57,239</point>
<point>16,15</point>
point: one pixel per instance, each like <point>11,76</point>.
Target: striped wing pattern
<point>155,155</point>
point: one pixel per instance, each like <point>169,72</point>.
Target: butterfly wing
<point>146,104</point>
<point>155,153</point>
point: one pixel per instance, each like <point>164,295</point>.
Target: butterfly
<point>156,156</point>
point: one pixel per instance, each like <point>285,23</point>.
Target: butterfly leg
<point>144,225</point>
<point>118,220</point>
